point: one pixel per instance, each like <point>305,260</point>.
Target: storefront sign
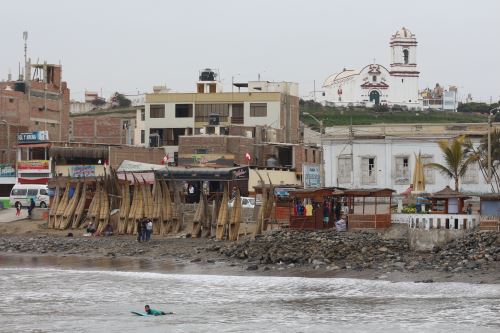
<point>213,160</point>
<point>33,165</point>
<point>311,175</point>
<point>7,170</point>
<point>79,171</point>
<point>33,137</point>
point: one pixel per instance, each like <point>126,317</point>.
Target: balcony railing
<point>438,221</point>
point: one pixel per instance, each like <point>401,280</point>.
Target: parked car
<point>246,202</point>
<point>24,192</point>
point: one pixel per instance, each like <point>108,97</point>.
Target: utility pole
<point>489,148</point>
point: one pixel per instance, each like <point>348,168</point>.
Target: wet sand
<point>180,255</point>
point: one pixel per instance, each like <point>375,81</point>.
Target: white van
<point>24,192</point>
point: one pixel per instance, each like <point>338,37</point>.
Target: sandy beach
<point>28,243</point>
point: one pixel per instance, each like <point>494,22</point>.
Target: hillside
<point>332,116</point>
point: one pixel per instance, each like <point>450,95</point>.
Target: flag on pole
<point>165,159</point>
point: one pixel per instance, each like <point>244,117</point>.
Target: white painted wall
<point>272,119</point>
<point>385,152</point>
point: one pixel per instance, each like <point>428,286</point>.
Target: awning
<point>41,181</point>
<point>80,152</point>
<point>34,145</point>
<point>201,174</point>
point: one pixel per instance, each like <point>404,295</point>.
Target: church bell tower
<point>404,70</point>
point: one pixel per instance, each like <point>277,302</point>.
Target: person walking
<point>18,208</point>
<point>149,229</point>
<point>31,207</point>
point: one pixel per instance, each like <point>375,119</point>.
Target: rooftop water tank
<point>208,74</point>
<point>271,162</point>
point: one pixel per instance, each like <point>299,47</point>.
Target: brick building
<point>113,126</point>
<point>40,102</point>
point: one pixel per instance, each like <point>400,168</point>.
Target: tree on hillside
<point>457,158</point>
<point>119,100</point>
<point>476,107</point>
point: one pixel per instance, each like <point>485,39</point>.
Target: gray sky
<point>132,45</point>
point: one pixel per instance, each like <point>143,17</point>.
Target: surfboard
<point>144,314</point>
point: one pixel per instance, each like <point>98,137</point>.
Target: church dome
<point>403,33</point>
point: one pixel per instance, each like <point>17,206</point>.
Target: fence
<point>437,221</point>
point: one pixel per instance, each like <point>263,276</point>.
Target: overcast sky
<point>129,46</point>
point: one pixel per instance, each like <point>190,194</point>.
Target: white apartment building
<point>383,156</point>
<point>167,115</point>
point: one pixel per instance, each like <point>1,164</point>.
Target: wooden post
<point>375,213</point>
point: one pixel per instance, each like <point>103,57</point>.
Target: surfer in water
<point>153,312</point>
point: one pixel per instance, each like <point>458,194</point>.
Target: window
<point>183,110</point>
<point>32,192</point>
<point>157,111</point>
<point>406,55</point>
<point>428,172</point>
<point>471,176</point>
<point>11,100</point>
<point>52,125</point>
<point>258,109</point>
<point>143,136</point>
<point>374,78</point>
<point>201,151</point>
<point>237,116</point>
<point>143,115</point>
<point>202,112</point>
<point>18,192</point>
<point>402,170</point>
<point>368,171</point>
<point>344,170</point>
<point>43,192</point>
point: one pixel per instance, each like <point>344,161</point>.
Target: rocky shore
<point>365,250</point>
<point>372,255</point>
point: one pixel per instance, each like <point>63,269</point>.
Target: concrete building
<point>167,116</point>
<point>8,155</point>
<point>255,124</point>
<point>376,84</point>
<point>383,156</point>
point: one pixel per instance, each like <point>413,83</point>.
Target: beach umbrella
<point>418,174</point>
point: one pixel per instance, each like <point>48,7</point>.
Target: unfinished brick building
<point>39,101</point>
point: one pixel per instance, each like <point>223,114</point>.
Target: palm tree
<point>456,159</point>
<point>479,155</point>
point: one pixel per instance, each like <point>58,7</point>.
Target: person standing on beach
<point>149,229</point>
<point>144,230</point>
<point>18,208</point>
<point>139,230</point>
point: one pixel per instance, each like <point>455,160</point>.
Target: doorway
<point>375,97</point>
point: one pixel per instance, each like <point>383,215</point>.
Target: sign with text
<point>206,160</point>
<point>33,165</point>
<point>7,170</point>
<point>33,137</point>
<point>79,171</point>
<point>311,175</point>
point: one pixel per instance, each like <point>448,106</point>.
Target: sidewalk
<point>9,215</point>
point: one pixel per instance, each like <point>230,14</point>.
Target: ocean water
<point>57,300</point>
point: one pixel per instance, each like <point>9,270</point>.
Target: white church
<point>376,84</point>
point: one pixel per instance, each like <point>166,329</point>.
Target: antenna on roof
<point>25,37</point>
